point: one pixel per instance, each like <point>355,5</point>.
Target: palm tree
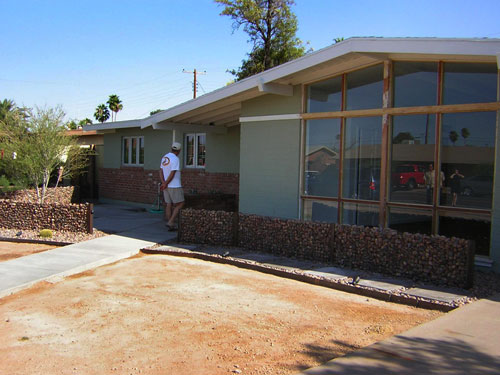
<point>465,134</point>
<point>453,136</point>
<point>101,113</point>
<point>6,106</point>
<point>115,104</point>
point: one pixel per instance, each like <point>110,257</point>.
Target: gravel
<point>57,236</point>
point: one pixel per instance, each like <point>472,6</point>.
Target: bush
<point>4,182</point>
<point>45,233</point>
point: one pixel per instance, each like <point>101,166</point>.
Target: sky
<point>76,53</point>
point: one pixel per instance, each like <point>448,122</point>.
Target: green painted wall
<point>156,144</point>
<point>495,220</point>
<point>269,168</point>
<point>273,104</point>
<point>223,151</point>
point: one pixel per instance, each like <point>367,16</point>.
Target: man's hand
<point>163,185</point>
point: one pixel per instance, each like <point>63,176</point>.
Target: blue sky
<point>76,53</point>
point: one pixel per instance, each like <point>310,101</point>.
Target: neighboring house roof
<point>222,107</point>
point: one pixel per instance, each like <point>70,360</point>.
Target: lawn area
<point>157,314</point>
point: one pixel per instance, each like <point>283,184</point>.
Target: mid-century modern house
<point>395,133</point>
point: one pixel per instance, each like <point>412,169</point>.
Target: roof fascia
<point>190,128</point>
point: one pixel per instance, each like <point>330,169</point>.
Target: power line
<point>195,83</point>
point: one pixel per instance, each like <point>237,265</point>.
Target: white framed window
<point>133,151</point>
<point>195,146</point>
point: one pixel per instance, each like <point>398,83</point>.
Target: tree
<point>465,134</point>
<point>271,26</point>
<point>72,125</point>
<point>115,105</point>
<point>155,112</point>
<point>101,113</point>
<point>403,136</point>
<point>453,136</point>
<point>39,146</point>
<point>85,121</point>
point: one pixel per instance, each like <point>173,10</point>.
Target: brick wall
<point>34,216</point>
<point>139,185</point>
<point>436,259</point>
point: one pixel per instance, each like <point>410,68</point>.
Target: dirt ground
<point>12,250</point>
<point>157,314</point>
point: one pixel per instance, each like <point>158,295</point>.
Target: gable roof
<point>222,107</point>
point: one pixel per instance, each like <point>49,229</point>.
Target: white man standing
<point>170,177</point>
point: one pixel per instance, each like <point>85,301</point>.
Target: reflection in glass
<point>413,140</point>
<point>141,150</point>
<point>468,156</point>
<point>469,83</point>
<point>361,168</point>
<point>365,88</point>
<point>360,214</point>
<point>410,220</point>
<point>325,96</point>
<point>476,227</point>
<point>415,84</point>
<point>320,211</point>
<point>190,150</point>
<point>201,142</point>
<point>322,158</point>
<point>134,151</point>
<point>126,146</point>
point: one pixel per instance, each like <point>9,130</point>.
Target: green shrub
<point>45,233</point>
<point>4,182</point>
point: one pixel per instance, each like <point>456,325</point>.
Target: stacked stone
<point>435,259</point>
<point>207,227</point>
<point>33,216</point>
<point>62,195</point>
<point>291,238</point>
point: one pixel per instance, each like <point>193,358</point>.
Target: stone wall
<point>55,216</point>
<point>436,259</point>
<point>62,195</point>
<point>135,184</point>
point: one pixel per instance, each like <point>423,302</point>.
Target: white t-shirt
<point>170,162</point>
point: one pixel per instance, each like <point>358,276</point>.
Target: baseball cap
<point>176,146</point>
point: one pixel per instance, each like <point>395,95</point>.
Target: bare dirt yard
<point>12,250</point>
<point>158,314</point>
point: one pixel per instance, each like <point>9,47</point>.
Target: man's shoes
<point>171,228</point>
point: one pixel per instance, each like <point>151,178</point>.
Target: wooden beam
<point>275,88</point>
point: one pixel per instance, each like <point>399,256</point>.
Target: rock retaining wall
<point>61,195</point>
<point>60,217</point>
<point>435,259</point>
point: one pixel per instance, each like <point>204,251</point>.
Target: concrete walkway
<point>465,341</point>
<point>134,229</point>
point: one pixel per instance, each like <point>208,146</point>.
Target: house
<point>362,107</point>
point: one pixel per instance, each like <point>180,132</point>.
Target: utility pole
<point>195,73</point>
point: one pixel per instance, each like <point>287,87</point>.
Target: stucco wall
<point>223,151</point>
<point>495,220</point>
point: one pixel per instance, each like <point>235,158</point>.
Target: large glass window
<point>468,156</point>
<point>410,220</point>
<point>413,143</point>
<point>322,158</point>
<point>471,226</point>
<point>360,214</point>
<point>364,88</point>
<point>415,84</point>
<point>361,167</point>
<point>469,83</point>
<point>325,96</point>
<point>133,151</point>
<point>326,211</point>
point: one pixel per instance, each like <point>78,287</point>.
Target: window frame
<point>195,164</point>
<point>140,141</point>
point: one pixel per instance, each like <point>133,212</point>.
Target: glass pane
<point>325,96</point>
<point>361,168</point>
<point>126,150</point>
<point>322,158</point>
<point>190,150</point>
<point>469,83</point>
<point>360,214</point>
<point>201,139</point>
<point>320,211</point>
<point>413,141</point>
<point>468,157</point>
<point>364,88</point>
<point>415,84</point>
<point>410,220</point>
<point>141,150</point>
<point>134,151</point>
<point>476,227</point>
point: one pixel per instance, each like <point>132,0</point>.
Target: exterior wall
<point>140,184</point>
<point>223,151</point>
<point>495,219</point>
<point>270,158</point>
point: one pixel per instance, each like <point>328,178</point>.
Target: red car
<point>408,176</point>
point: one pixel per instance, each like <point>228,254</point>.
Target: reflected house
<point>319,137</point>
